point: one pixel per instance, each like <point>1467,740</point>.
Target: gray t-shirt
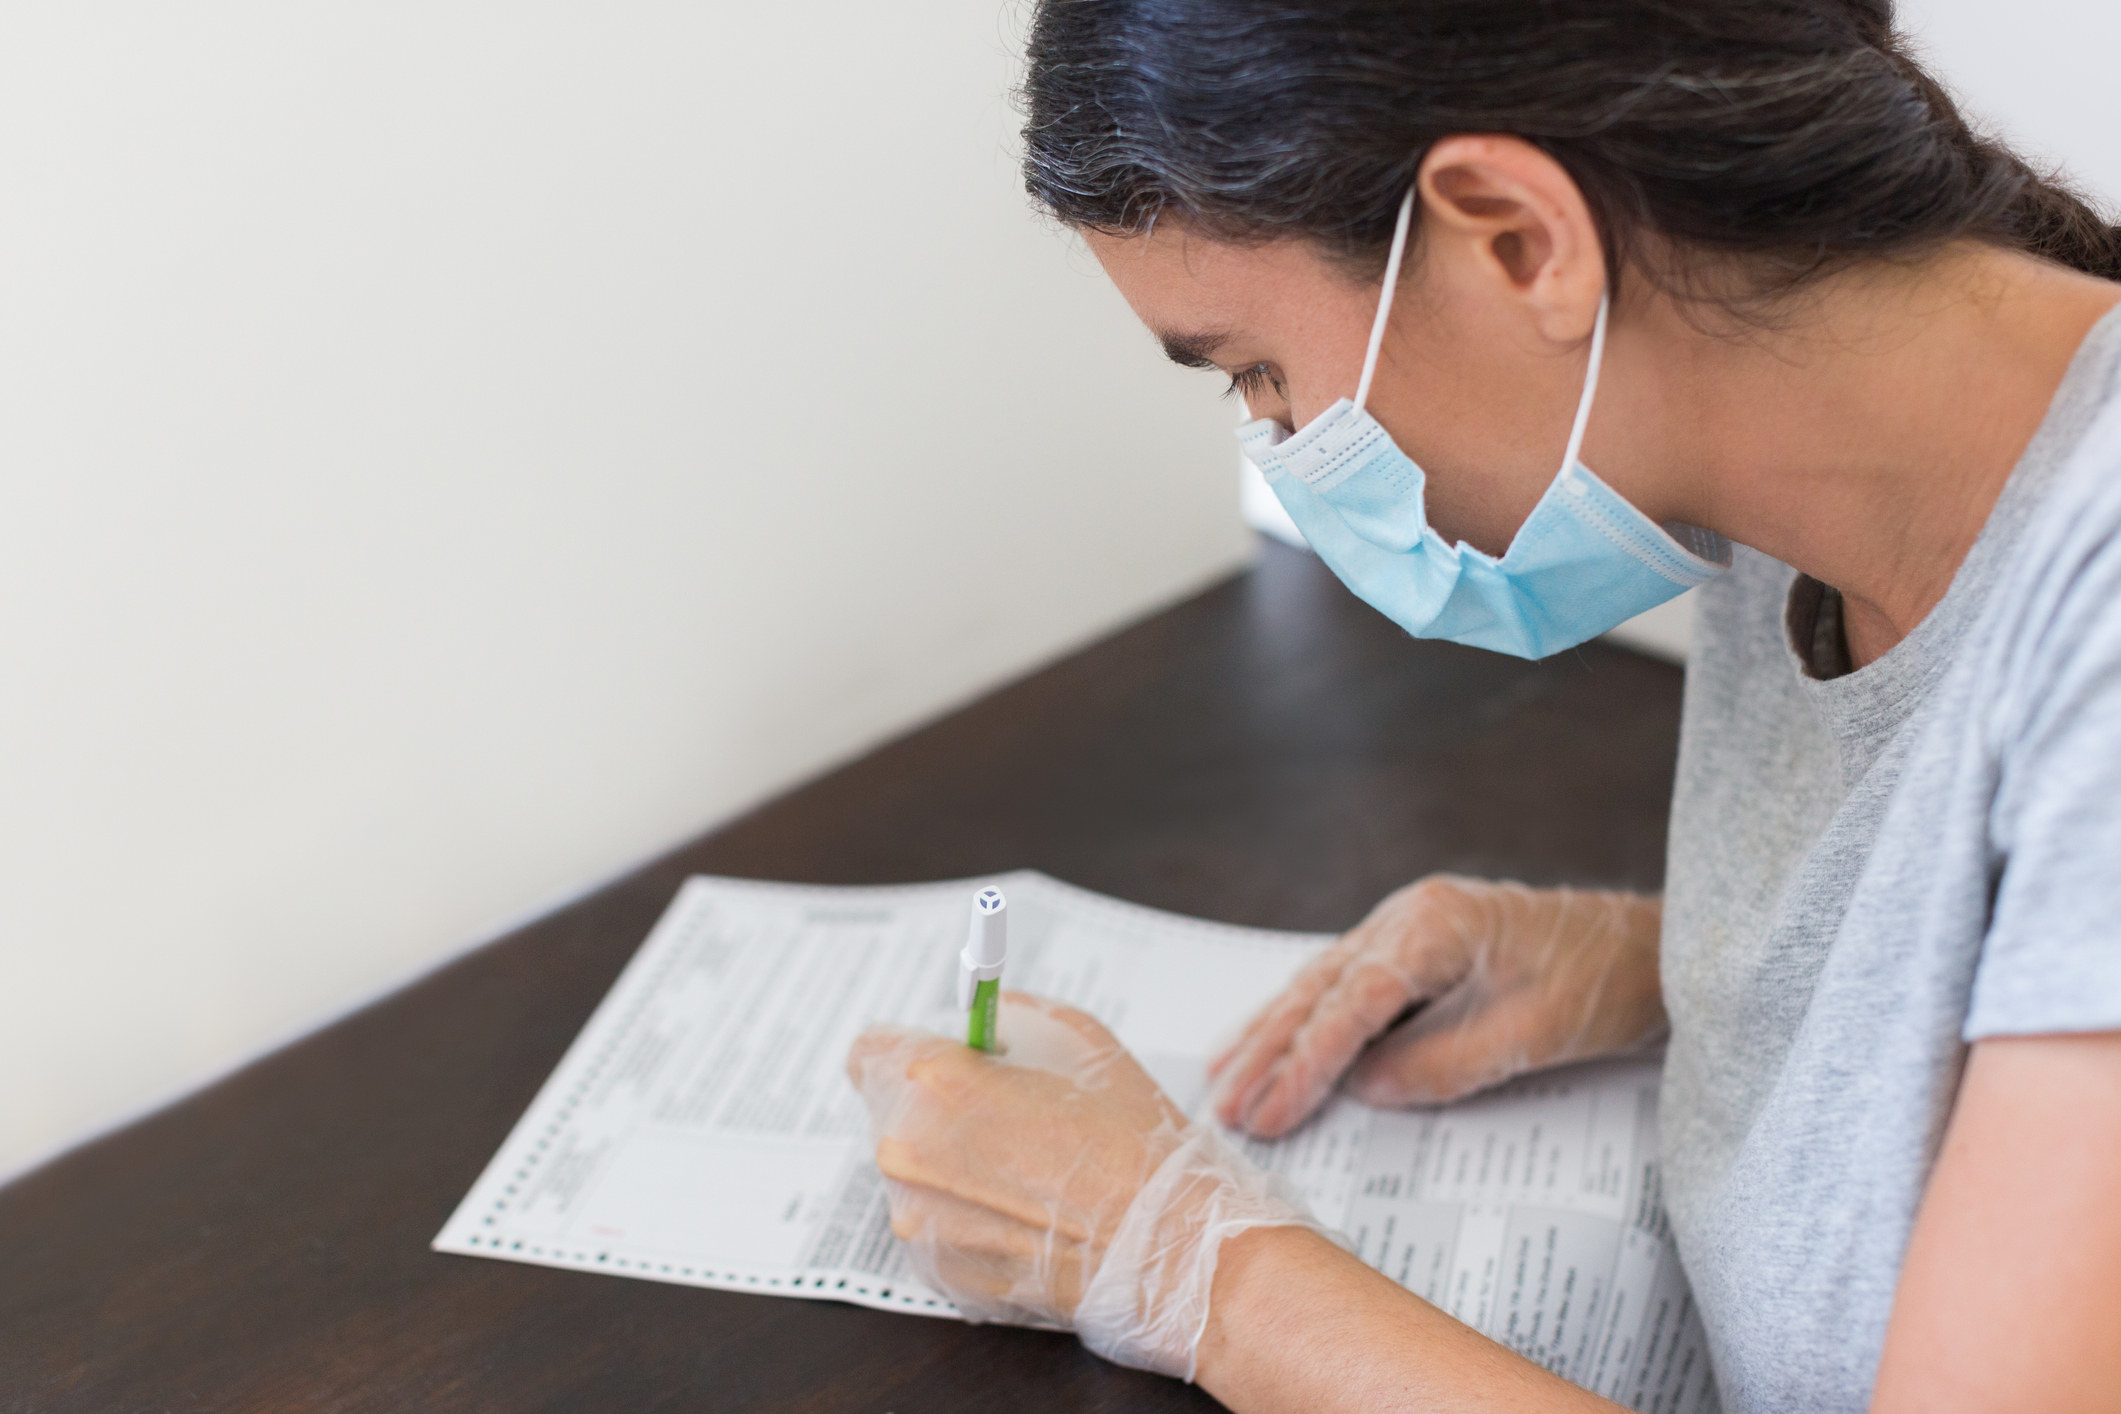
<point>1870,870</point>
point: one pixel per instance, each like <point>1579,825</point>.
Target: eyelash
<point>1247,381</point>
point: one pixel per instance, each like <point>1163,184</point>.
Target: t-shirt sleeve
<point>2052,959</point>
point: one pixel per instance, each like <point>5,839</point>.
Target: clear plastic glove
<point>1055,1184</point>
<point>1499,978</point>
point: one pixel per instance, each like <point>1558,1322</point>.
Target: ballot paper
<point>701,1130</point>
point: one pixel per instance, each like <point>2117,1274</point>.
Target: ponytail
<point>2009,202</point>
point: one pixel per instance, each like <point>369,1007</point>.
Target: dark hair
<point>1797,134</point>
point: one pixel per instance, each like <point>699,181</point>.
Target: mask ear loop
<point>1384,302</point>
<point>1590,390</point>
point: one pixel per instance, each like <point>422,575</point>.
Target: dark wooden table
<point>1270,752</point>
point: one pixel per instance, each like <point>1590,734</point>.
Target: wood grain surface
<point>1270,752</point>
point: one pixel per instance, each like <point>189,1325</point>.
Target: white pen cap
<point>986,947</point>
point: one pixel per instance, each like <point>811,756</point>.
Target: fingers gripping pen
<point>979,968</point>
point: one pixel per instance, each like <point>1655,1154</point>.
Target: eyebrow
<point>1192,350</point>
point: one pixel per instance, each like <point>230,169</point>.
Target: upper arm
<point>2010,1295</point>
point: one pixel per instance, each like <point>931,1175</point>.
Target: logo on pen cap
<point>988,900</point>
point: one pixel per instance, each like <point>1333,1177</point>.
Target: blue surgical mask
<point>1584,562</point>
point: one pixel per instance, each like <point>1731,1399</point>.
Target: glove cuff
<point>1148,1302</point>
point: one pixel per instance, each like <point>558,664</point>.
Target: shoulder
<point>2045,676</point>
<point>2054,614</point>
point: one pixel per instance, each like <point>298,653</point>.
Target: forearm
<point>1645,915</point>
<point>1296,1324</point>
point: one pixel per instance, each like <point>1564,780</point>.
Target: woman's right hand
<point>1499,979</point>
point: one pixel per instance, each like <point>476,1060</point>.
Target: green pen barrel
<point>980,1032</point>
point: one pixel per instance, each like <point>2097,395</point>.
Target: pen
<point>979,968</point>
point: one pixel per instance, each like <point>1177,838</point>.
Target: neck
<point>1863,441</point>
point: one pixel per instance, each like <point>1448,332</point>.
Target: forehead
<point>1187,286</point>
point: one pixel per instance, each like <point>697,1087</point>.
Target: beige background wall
<point>453,450</point>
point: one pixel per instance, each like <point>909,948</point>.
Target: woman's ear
<point>1516,222</point>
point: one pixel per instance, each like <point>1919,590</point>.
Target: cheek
<point>1317,379</point>
<point>1481,506</point>
<point>1489,438</point>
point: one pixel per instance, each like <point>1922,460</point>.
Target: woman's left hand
<point>1055,1184</point>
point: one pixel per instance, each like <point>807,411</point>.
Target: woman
<point>1845,364</point>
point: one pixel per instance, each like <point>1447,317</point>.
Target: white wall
<point>449,451</point>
